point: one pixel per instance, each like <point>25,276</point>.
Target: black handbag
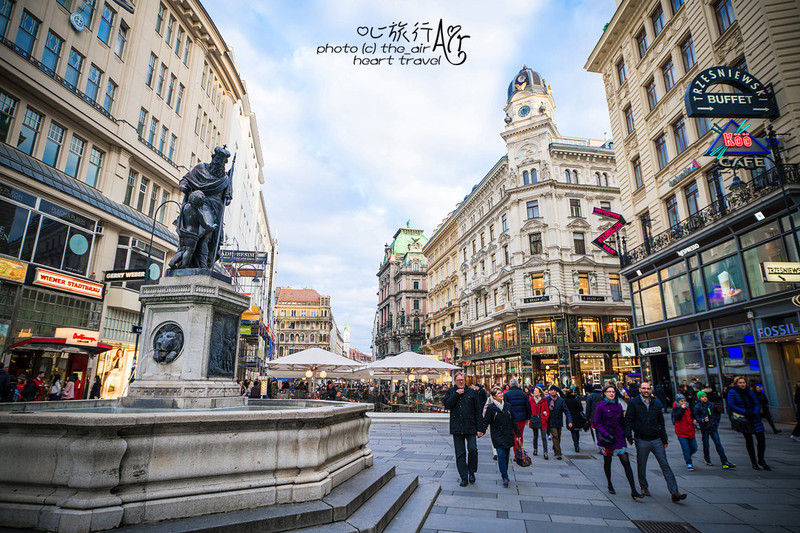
<point>606,440</point>
<point>536,422</point>
<point>742,424</point>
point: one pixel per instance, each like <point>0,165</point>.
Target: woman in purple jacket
<point>609,421</point>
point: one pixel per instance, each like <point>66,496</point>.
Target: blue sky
<point>351,152</point>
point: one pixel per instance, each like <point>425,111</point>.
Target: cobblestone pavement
<point>549,495</point>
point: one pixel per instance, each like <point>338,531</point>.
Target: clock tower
<point>529,128</point>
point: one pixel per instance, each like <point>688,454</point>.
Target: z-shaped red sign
<point>600,241</point>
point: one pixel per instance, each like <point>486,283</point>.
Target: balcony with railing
<point>733,202</point>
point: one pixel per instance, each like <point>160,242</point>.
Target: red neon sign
<point>737,140</point>
<point>600,241</point>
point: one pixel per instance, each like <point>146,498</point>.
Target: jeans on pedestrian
<point>576,436</point>
<point>689,447</point>
<point>643,449</point>
<point>466,454</point>
<point>556,434</point>
<point>502,461</point>
<point>717,444</point>
<point>543,432</point>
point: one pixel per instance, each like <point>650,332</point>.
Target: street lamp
<point>564,367</point>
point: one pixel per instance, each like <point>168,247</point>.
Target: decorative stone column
<point>188,352</point>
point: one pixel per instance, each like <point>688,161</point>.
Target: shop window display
<point>677,297</point>
<point>651,305</point>
<point>543,331</point>
<point>497,333</point>
<point>511,335</point>
<point>698,291</point>
<point>589,329</point>
<point>724,282</point>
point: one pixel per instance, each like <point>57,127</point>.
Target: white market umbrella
<point>314,360</point>
<point>407,363</point>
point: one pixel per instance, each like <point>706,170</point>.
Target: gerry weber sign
<point>754,99</point>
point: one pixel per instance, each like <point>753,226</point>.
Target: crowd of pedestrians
<point>618,416</point>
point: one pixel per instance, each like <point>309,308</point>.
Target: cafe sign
<point>753,99</point>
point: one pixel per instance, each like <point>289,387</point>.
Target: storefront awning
<point>57,345</point>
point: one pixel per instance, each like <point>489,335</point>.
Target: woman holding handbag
<point>745,417</point>
<point>609,421</point>
<point>538,423</point>
<point>500,418</point>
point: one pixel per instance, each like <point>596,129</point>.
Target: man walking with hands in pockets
<point>644,424</point>
<point>466,415</point>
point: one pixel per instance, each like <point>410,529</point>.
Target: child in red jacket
<point>684,429</point>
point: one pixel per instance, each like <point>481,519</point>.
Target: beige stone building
<point>304,320</point>
<point>699,228</point>
<point>444,311</point>
<point>536,300</point>
<point>101,114</point>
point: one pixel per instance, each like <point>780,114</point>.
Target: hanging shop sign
<point>753,99</point>
<point>83,337</point>
<point>735,140</point>
<point>688,249</point>
<point>62,282</point>
<point>242,256</point>
<point>744,162</point>
<point>650,348</point>
<point>781,272</point>
<point>600,241</point>
<point>13,270</point>
<point>627,349</point>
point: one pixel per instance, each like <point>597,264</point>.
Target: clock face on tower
<point>524,111</point>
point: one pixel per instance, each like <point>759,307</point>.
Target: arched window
<point>575,177</point>
<point>525,177</point>
<point>533,175</point>
<point>568,175</point>
<point>312,337</point>
<point>605,179</point>
<point>597,177</point>
<point>280,351</point>
<point>281,337</point>
<point>415,266</point>
<point>291,337</point>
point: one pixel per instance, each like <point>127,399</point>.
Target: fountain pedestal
<point>190,334</point>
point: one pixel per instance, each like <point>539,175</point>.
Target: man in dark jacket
<point>466,416</point>
<point>592,400</point>
<point>644,424</point>
<point>520,405</point>
<point>6,391</point>
<point>555,421</point>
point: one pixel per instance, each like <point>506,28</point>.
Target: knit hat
<point>700,394</point>
<point>679,397</point>
<point>555,388</point>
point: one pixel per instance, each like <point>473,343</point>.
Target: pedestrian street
<point>554,495</point>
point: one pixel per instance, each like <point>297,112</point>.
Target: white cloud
<point>353,152</point>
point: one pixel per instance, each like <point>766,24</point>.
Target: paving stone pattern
<point>554,495</point>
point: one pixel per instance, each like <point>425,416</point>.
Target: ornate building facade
<point>537,300</point>
<point>443,293</point>
<point>402,295</point>
<point>700,228</point>
<point>99,120</point>
<point>303,320</point>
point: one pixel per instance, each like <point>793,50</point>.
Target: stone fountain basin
<point>75,469</point>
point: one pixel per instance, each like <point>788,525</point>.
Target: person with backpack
<point>684,428</point>
<point>708,416</point>
<point>499,416</point>
<point>575,410</point>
